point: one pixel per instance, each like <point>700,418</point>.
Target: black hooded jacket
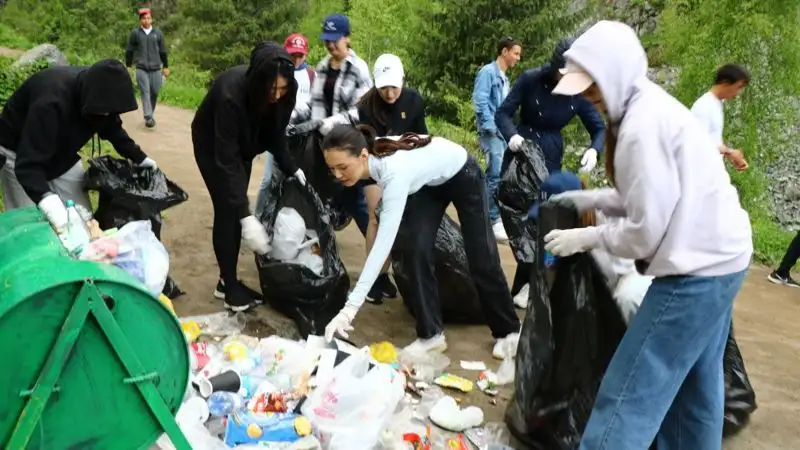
<point>57,111</point>
<point>235,122</point>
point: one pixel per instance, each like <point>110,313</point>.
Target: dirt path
<point>767,317</point>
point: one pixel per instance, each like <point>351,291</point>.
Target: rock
<point>49,52</point>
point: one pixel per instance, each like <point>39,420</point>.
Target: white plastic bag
<point>630,292</point>
<point>288,234</point>
<point>354,406</point>
<point>307,258</point>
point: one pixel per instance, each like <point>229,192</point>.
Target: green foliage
<point>11,77</point>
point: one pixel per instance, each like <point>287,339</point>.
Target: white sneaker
<point>422,346</point>
<point>506,347</point>
<point>521,299</point>
<point>500,232</point>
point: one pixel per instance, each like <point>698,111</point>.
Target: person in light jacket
<point>683,224</point>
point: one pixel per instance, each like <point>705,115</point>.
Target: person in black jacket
<point>46,122</point>
<point>389,108</point>
<point>244,113</point>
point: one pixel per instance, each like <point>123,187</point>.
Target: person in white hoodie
<point>682,222</point>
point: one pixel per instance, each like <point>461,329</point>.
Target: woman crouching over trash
<point>419,177</point>
<point>682,222</point>
<point>244,113</point>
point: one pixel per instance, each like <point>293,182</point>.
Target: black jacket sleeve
<point>133,40</point>
<point>123,144</point>
<point>37,145</point>
<point>504,117</point>
<point>419,126</point>
<point>593,122</point>
<point>228,157</point>
<point>283,157</point>
<point>162,50</point>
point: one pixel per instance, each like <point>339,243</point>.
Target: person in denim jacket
<point>491,88</point>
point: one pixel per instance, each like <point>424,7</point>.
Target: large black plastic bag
<point>457,292</point>
<point>522,175</point>
<point>570,332</point>
<point>128,193</point>
<point>310,299</point>
<point>740,398</point>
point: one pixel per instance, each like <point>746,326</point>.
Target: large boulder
<point>48,52</point>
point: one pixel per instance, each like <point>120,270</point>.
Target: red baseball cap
<point>296,43</point>
<point>143,11</point>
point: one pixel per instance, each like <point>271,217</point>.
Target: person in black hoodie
<point>391,109</point>
<point>244,113</point>
<point>46,122</point>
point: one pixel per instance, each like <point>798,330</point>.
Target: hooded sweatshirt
<point>235,122</point>
<point>682,215</point>
<point>57,111</point>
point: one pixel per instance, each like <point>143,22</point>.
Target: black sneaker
<point>774,277</point>
<point>149,123</point>
<point>375,295</point>
<point>238,299</point>
<point>387,287</point>
<point>219,292</point>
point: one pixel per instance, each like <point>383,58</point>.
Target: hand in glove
<point>327,125</point>
<point>515,143</point>
<point>570,242</point>
<point>301,176</point>
<point>341,323</point>
<point>148,163</point>
<point>589,160</point>
<point>254,235</point>
<point>53,208</point>
<point>581,200</point>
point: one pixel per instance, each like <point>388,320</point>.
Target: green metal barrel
<point>89,359</point>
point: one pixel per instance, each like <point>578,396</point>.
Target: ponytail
<point>354,139</point>
<point>611,150</point>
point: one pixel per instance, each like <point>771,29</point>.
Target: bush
<point>12,78</point>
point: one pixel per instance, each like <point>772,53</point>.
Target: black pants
<point>424,212</point>
<point>790,258</point>
<point>227,232</point>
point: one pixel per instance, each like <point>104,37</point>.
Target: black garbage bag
<point>570,332</point>
<point>311,300</point>
<point>457,293</point>
<point>522,175</point>
<point>740,397</point>
<point>128,193</point>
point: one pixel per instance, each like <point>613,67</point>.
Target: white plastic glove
<point>301,176</point>
<point>254,235</point>
<point>149,163</point>
<point>589,160</point>
<point>570,242</point>
<point>341,324</point>
<point>327,125</point>
<point>581,200</point>
<point>53,208</point>
<point>515,143</point>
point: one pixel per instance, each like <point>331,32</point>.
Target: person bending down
<point>244,113</point>
<point>417,187</point>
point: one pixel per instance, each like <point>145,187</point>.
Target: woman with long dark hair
<point>419,177</point>
<point>244,113</point>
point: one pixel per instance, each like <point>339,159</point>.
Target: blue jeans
<point>261,199</point>
<point>493,146</point>
<point>665,381</point>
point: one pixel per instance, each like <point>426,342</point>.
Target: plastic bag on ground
<point>129,193</point>
<point>457,293</point>
<point>353,407</point>
<point>521,178</point>
<point>570,332</point>
<point>311,299</point>
<point>740,397</point>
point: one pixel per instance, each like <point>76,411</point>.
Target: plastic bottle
<point>222,403</point>
<point>85,214</point>
<point>77,234</point>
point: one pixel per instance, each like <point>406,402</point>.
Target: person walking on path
<point>147,50</point>
<point>682,222</point>
<point>245,112</point>
<point>729,82</point>
<point>781,274</point>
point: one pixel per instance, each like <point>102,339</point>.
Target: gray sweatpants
<point>68,186</point>
<point>149,84</point>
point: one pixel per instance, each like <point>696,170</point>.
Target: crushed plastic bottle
<point>77,234</point>
<point>222,403</point>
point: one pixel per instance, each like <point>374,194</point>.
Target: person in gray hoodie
<point>146,49</point>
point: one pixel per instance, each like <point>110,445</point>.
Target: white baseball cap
<point>574,80</point>
<point>388,71</point>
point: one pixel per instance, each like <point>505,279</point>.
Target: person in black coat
<point>47,121</point>
<point>244,113</point>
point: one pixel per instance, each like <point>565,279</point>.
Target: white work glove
<point>589,160</point>
<point>341,324</point>
<point>581,200</point>
<point>569,242</point>
<point>55,211</point>
<point>254,235</point>
<point>301,176</point>
<point>148,163</point>
<point>327,125</point>
<point>515,143</point>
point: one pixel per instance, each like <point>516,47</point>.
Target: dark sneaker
<point>785,281</point>
<point>387,287</point>
<point>375,295</point>
<point>219,292</point>
<point>238,299</point>
<point>149,123</point>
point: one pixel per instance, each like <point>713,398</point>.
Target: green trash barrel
<point>90,359</point>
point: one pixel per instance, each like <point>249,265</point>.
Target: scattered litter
<point>455,382</point>
<point>473,365</point>
<point>487,382</point>
<point>446,414</point>
<point>384,352</point>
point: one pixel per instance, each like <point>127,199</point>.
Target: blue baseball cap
<point>556,183</point>
<point>335,27</point>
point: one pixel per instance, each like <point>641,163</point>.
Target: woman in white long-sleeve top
<point>419,177</point>
<point>683,223</point>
